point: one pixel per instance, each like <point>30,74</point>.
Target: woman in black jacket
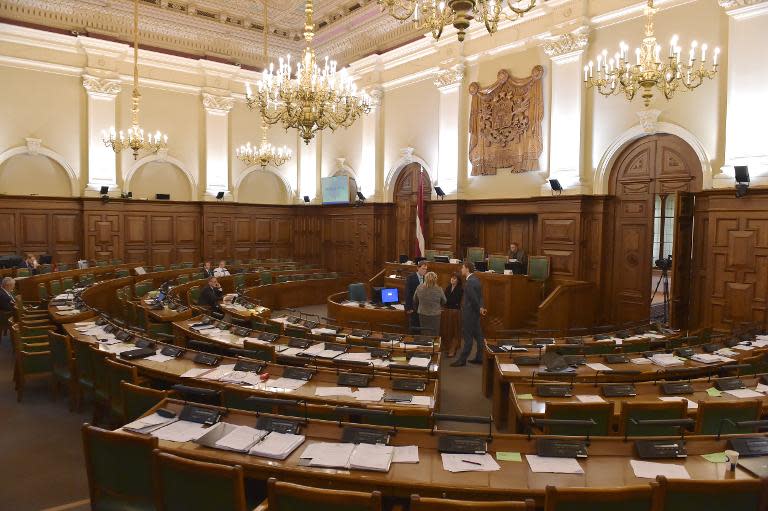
<point>451,324</point>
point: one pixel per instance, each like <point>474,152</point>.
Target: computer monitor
<point>404,258</point>
<point>516,267</point>
<point>481,266</point>
<point>442,259</point>
<point>376,294</point>
<point>389,295</point>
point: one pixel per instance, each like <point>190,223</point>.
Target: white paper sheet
<point>692,405</point>
<point>180,431</point>
<point>649,470</point>
<point>333,391</point>
<point>241,439</point>
<point>641,361</point>
<point>277,446</point>
<point>541,464</point>
<point>419,361</point>
<point>421,401</point>
<point>195,372</point>
<point>596,366</point>
<point>372,394</point>
<point>590,398</point>
<point>406,454</point>
<point>509,368</point>
<point>743,393</point>
<point>285,383</point>
<point>159,357</point>
<point>375,457</point>
<point>329,455</point>
<point>469,462</point>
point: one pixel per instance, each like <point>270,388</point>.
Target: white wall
<point>26,174</point>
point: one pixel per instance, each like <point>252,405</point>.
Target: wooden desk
<point>172,370</point>
<point>27,286</point>
<point>649,372</point>
<point>606,467</point>
<point>243,314</point>
<point>521,410</point>
<point>296,293</point>
<point>375,319</point>
<point>163,315</point>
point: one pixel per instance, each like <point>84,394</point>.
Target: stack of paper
<point>743,393</point>
<point>692,405</point>
<point>369,394</point>
<point>218,372</point>
<point>285,383</point>
<point>180,431</point>
<point>406,454</point>
<point>241,439</point>
<point>509,368</point>
<point>761,388</point>
<point>590,399</point>
<point>328,454</point>
<point>333,391</point>
<point>706,358</point>
<point>159,357</point>
<point>321,331</point>
<point>290,352</point>
<point>640,361</point>
<point>649,470</point>
<point>541,464</point>
<point>364,356</point>
<point>148,424</point>
<point>596,366</point>
<point>277,446</point>
<point>195,372</point>
<point>419,361</point>
<point>666,360</point>
<point>469,463</point>
<point>743,347</point>
<point>420,401</point>
<point>376,457</point>
<point>726,352</point>
<point>315,349</point>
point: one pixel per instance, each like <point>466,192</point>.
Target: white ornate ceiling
<point>229,30</point>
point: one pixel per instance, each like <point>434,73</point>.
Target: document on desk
<point>590,399</point>
<point>290,352</point>
<point>196,372</point>
<point>277,446</point>
<point>180,431</point>
<point>509,368</point>
<point>469,462</point>
<point>596,366</point>
<point>333,391</point>
<point>218,372</point>
<point>420,401</point>
<point>649,470</point>
<point>641,361</point>
<point>328,454</point>
<point>743,347</point>
<point>364,356</point>
<point>321,331</point>
<point>315,349</point>
<point>328,354</point>
<point>419,361</point>
<point>406,454</point>
<point>285,383</point>
<point>148,424</point>
<point>761,388</point>
<point>372,394</point>
<point>692,405</point>
<point>374,457</point>
<point>542,464</point>
<point>241,439</point>
<point>159,357</point>
<point>743,393</point>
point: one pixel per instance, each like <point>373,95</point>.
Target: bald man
<point>7,303</point>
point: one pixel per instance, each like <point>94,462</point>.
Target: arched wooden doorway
<point>647,173</point>
<point>405,196</point>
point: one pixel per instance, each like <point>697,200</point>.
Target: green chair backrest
<point>430,254</point>
<point>357,292</point>
<point>67,283</point>
<point>186,485</point>
<point>55,287</point>
<point>62,267</point>
<point>35,362</point>
<point>158,267</point>
<point>42,292</point>
<point>44,268</point>
<point>182,279</point>
<point>496,263</point>
<point>601,413</point>
<point>100,373</point>
<point>265,277</point>
<point>83,362</point>
<point>122,272</point>
<point>186,265</point>
<point>660,410</point>
<point>722,494</point>
<point>194,295</point>
<point>297,332</point>
<point>61,355</point>
<point>142,288</point>
<point>102,263</point>
<point>117,261</point>
<point>137,400</point>
<point>22,272</point>
<point>238,280</point>
<point>175,266</point>
<point>119,469</point>
<point>538,268</point>
<point>475,254</point>
<point>117,373</point>
<point>711,417</point>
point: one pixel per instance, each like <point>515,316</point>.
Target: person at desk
<point>221,270</point>
<point>517,254</point>
<point>31,264</point>
<point>208,269</point>
<point>451,324</point>
<point>7,302</point>
<point>429,299</point>
<point>211,295</point>
<point>413,281</point>
<point>472,309</point>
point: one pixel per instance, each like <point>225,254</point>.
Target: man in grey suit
<point>471,310</point>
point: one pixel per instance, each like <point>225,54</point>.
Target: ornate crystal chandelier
<point>266,153</point>
<point>669,74</point>
<point>135,139</point>
<point>315,99</point>
<point>433,15</point>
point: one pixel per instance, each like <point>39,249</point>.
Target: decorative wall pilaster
<point>450,81</point>
<point>371,172</point>
<point>102,90</point>
<point>217,105</point>
<point>567,116</point>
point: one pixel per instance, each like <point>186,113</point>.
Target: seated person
<point>516,254</point>
<point>211,294</point>
<point>7,302</point>
<point>31,264</point>
<point>208,269</point>
<point>221,269</point>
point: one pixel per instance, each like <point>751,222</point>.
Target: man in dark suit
<point>211,295</point>
<point>472,309</point>
<point>517,254</point>
<point>7,303</point>
<point>411,283</point>
<point>208,270</point>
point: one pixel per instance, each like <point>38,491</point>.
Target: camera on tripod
<point>663,264</point>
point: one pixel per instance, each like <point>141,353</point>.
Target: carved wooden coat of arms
<point>505,124</point>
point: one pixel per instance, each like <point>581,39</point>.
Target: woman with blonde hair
<point>430,299</point>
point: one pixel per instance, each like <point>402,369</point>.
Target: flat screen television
<point>389,295</point>
<point>335,190</point>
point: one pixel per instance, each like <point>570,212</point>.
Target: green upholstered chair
<point>272,327</point>
<point>258,351</point>
<point>238,280</point>
<point>175,266</point>
<point>116,374</point>
<point>117,261</point>
<point>356,292</point>
<point>293,497</point>
<point>67,283</point>
<point>122,272</point>
<point>158,267</point>
<point>430,254</point>
<point>83,370</point>
<point>102,263</point>
<point>475,254</point>
<point>32,360</point>
<point>22,272</point>
<point>187,485</point>
<point>87,279</point>
<point>627,498</point>
<point>137,399</point>
<point>182,279</point>
<point>119,467</point>
<point>42,292</point>
<point>601,413</point>
<point>55,287</point>
<point>187,264</point>
<point>265,277</point>
<point>650,410</point>
<point>45,268</point>
<point>62,267</point>
<point>193,295</point>
<point>425,504</point>
<point>100,382</point>
<point>497,262</point>
<point>714,417</point>
<point>63,364</point>
<point>161,330</point>
<point>692,495</point>
<point>283,278</point>
<point>141,288</point>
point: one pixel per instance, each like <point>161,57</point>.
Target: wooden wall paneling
<point>559,236</point>
<point>444,231</point>
<point>66,245</point>
<point>41,226</point>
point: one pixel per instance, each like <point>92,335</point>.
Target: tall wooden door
<point>656,164</point>
<point>405,196</point>
<point>682,261</point>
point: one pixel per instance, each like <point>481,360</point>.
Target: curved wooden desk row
<point>27,286</point>
<point>183,331</point>
<point>297,293</point>
<point>608,465</point>
<point>623,372</point>
<point>383,319</point>
<point>525,402</point>
<point>172,370</point>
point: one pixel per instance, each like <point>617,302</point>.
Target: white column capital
<point>649,120</point>
<point>566,47</point>
<point>449,79</point>
<point>376,92</point>
<point>216,104</point>
<point>744,9</point>
<point>102,87</point>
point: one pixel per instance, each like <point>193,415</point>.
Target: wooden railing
<point>572,304</point>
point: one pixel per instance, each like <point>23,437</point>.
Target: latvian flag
<point>420,217</point>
